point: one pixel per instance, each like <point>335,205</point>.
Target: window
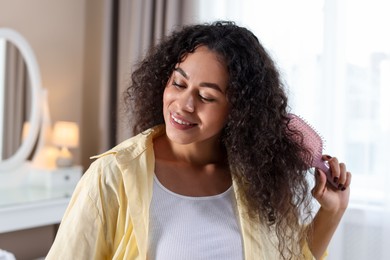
<point>334,56</point>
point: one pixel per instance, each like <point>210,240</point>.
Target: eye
<point>206,99</point>
<point>177,85</point>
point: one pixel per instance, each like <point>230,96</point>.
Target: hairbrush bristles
<point>304,133</point>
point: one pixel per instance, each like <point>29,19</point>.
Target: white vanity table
<point>33,196</point>
<point>32,204</point>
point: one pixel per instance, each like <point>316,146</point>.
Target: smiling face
<point>195,102</point>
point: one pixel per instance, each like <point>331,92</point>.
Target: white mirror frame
<point>21,155</point>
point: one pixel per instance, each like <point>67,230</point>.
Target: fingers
<point>334,167</point>
<point>342,172</point>
<point>348,180</point>
<point>339,172</point>
<point>320,184</point>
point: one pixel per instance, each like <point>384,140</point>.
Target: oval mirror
<point>20,93</point>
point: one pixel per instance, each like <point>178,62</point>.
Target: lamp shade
<point>66,134</point>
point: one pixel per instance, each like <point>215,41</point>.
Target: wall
<point>55,31</point>
<point>66,36</point>
<point>95,75</point>
<point>28,244</point>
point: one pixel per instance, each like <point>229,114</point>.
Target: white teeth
<point>180,121</point>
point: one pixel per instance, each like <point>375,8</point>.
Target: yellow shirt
<point>108,215</point>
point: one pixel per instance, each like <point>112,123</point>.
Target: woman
<point>212,173</point>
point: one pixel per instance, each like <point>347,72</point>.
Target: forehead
<point>203,53</point>
<point>204,65</point>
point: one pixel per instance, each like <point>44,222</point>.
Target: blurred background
<point>334,57</point>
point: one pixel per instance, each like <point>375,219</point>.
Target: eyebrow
<point>203,84</point>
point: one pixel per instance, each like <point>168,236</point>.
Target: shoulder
<point>110,165</point>
<point>130,148</point>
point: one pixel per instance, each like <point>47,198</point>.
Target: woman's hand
<point>331,199</point>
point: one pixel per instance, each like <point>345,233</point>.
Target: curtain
<point>118,34</point>
<point>16,100</point>
<point>135,26</point>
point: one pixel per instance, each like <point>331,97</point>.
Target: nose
<point>186,102</point>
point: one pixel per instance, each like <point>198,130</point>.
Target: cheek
<point>167,96</point>
<point>224,116</point>
<point>217,117</point>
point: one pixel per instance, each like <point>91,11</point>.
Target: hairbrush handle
<point>324,166</point>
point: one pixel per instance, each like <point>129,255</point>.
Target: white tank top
<point>191,228</point>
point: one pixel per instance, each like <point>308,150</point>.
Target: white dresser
<point>39,200</point>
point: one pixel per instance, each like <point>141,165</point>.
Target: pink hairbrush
<point>313,142</point>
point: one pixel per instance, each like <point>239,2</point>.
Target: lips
<point>180,123</point>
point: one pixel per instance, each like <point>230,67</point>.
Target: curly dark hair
<point>267,164</point>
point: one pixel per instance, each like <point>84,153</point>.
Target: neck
<point>197,154</point>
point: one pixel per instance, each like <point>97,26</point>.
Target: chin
<point>179,138</point>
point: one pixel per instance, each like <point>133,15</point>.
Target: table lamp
<point>65,136</point>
